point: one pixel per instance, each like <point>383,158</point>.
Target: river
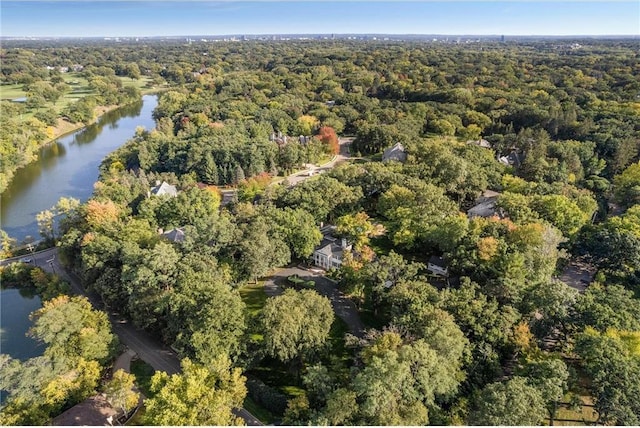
<point>68,167</point>
<point>16,305</point>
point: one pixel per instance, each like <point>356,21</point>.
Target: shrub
<point>266,396</point>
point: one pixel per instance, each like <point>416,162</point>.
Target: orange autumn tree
<point>328,136</point>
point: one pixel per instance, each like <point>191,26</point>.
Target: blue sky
<point>193,17</point>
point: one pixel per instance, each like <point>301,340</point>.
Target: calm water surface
<point>68,167</point>
<point>15,307</point>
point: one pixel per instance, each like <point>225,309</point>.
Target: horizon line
<point>321,34</point>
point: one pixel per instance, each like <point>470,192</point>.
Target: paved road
<point>299,177</point>
<point>342,305</point>
<point>148,349</point>
<point>578,274</point>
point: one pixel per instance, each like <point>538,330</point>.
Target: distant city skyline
<point>196,17</point>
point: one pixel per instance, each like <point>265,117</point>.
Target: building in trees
<point>395,153</point>
<point>174,235</point>
<point>437,266</point>
<point>486,205</point>
<point>163,188</point>
<point>329,254</point>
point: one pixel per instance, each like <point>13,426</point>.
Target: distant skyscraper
<point>502,38</point>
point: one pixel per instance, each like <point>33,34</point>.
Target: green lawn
<point>586,413</point>
<point>254,297</point>
<point>336,339</point>
<point>11,92</point>
<point>265,416</point>
<point>143,373</point>
<point>79,88</point>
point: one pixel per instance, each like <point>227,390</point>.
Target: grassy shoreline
<point>64,128</point>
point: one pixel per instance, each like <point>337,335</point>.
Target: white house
<point>395,153</point>
<point>437,266</point>
<point>328,255</point>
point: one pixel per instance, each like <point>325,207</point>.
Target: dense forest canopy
<point>552,128</point>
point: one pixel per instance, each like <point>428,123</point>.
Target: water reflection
<point>16,305</point>
<point>68,167</point>
<point>110,119</point>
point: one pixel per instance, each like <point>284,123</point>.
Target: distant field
<point>79,89</point>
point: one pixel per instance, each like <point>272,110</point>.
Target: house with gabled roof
<point>329,254</point>
<point>513,159</point>
<point>395,153</point>
<point>174,235</point>
<point>163,188</point>
<point>486,206</point>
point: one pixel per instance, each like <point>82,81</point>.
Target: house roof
<point>395,151</point>
<point>481,142</point>
<point>513,159</point>
<point>437,261</point>
<point>175,235</point>
<point>330,247</point>
<point>485,205</point>
<point>483,209</point>
<point>164,189</point>
<point>93,411</point>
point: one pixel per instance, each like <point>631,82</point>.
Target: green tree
<point>627,185</point>
<point>400,381</point>
<point>562,212</point>
<point>341,408</point>
<point>324,197</point>
<point>614,370</point>
<point>133,71</point>
<point>356,227</point>
<point>206,316</point>
<point>298,229</point>
<point>200,395</point>
<point>550,377</point>
<point>513,402</point>
<point>296,324</point>
<point>603,307</point>
<point>120,393</point>
<point>550,306</point>
<point>73,329</point>
<point>46,225</point>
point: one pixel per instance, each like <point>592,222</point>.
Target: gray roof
<point>486,205</point>
<point>330,247</point>
<point>481,142</point>
<point>437,261</point>
<point>174,235</point>
<point>512,159</point>
<point>395,152</point>
<point>483,209</point>
<point>164,189</point>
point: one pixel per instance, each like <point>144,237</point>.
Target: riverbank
<point>64,128</point>
<point>69,166</point>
